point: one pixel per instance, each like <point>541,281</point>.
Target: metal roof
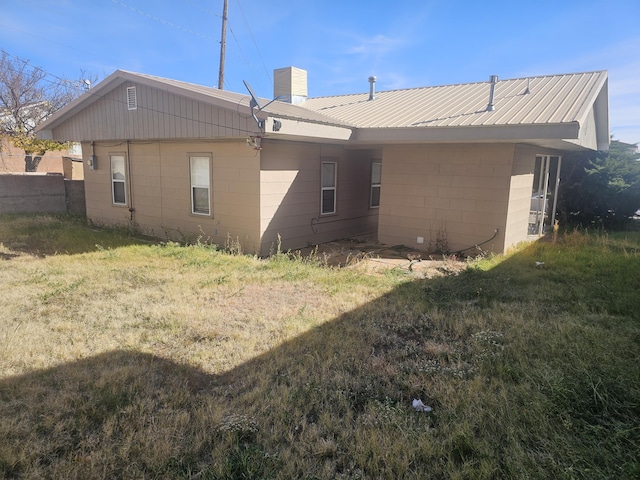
<point>553,99</point>
<point>280,109</point>
<point>555,111</point>
<point>212,95</point>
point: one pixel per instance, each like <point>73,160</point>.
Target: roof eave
<point>296,129</point>
<point>45,129</point>
<point>468,134</point>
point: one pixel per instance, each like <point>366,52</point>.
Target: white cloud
<point>376,45</point>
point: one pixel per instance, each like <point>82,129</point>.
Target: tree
<point>601,188</point>
<point>28,97</point>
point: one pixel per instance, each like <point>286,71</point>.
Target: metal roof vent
<point>132,98</point>
<point>493,79</point>
<point>372,88</point>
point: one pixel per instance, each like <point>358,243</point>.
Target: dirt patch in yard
<point>376,258</point>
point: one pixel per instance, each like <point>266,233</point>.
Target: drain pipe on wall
<point>131,209</point>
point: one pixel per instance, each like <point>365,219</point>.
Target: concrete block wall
<point>38,193</point>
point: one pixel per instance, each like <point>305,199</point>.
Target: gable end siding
<point>159,115</point>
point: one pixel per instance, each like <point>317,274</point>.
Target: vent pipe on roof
<point>372,88</point>
<point>493,79</point>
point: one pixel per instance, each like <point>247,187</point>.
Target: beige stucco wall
<point>160,190</point>
<point>453,196</point>
<point>290,194</point>
<point>516,227</point>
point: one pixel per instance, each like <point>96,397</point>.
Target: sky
<point>340,43</point>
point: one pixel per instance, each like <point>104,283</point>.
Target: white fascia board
<point>296,128</point>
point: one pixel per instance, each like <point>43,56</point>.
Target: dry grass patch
<point>168,361</point>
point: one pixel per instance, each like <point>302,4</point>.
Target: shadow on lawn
<point>334,402</point>
<point>125,414</point>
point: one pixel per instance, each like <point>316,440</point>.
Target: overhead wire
<point>255,44</point>
<point>66,82</point>
<point>206,10</point>
<point>160,20</point>
<point>192,32</point>
<point>123,102</point>
<point>167,23</point>
<point>61,81</point>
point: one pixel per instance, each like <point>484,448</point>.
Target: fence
<point>41,193</point>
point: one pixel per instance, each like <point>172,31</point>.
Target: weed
<point>164,360</point>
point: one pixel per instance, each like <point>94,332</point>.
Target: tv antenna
<point>254,102</point>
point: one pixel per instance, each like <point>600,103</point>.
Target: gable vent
<point>132,99</point>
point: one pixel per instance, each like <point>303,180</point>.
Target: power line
<point>64,82</point>
<point>203,9</point>
<point>165,22</point>
<point>238,51</point>
<point>255,44</point>
<point>46,39</point>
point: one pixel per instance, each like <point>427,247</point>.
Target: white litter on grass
<point>539,264</point>
<point>420,407</point>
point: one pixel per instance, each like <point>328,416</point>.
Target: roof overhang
<point>558,136</point>
<point>292,129</point>
<point>587,129</point>
<point>219,98</point>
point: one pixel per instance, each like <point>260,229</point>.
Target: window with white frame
<point>376,181</point>
<point>118,179</point>
<point>200,185</point>
<point>328,182</point>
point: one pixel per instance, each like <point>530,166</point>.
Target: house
<point>449,167</point>
<point>67,162</point>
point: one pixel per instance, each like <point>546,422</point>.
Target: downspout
<point>131,209</point>
<point>543,200</point>
<point>555,193</point>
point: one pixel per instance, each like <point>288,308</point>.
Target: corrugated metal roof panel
<point>551,100</point>
<point>282,109</point>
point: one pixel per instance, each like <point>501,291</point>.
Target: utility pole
<point>223,44</point>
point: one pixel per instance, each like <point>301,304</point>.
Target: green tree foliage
<point>600,188</point>
<point>27,97</point>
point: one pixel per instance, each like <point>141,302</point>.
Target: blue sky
<point>340,43</point>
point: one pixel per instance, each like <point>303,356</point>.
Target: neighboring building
<point>66,162</point>
<point>449,167</point>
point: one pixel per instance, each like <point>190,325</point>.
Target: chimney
<point>290,85</point>
<point>493,79</point>
<point>372,88</point>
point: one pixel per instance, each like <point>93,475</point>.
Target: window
<point>200,181</point>
<point>118,180</point>
<point>132,98</point>
<point>328,199</point>
<point>376,181</point>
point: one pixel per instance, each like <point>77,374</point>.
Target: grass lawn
<point>124,358</point>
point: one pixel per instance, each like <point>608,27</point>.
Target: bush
<point>600,189</point>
